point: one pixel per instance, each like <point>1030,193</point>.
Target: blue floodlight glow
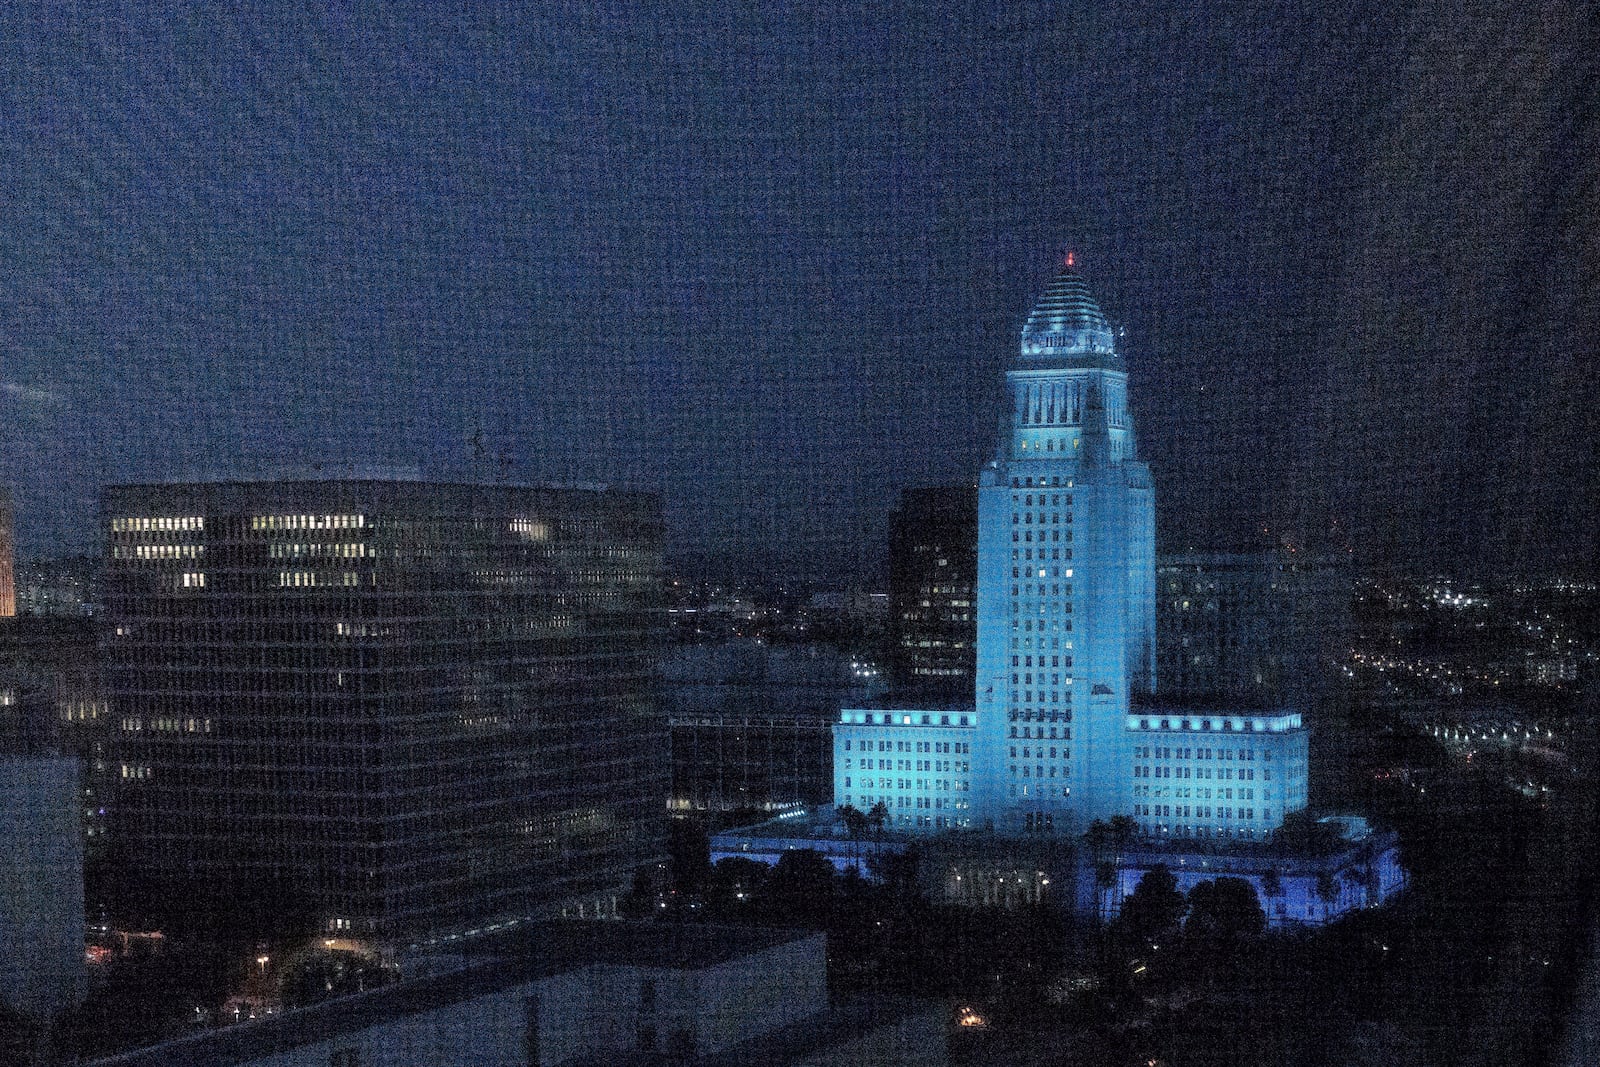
<point>1065,610</point>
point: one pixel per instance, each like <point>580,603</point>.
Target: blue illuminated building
<point>917,764</point>
<point>1062,730</point>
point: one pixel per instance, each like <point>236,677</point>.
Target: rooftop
<point>1066,317</point>
<point>950,717</point>
<point>485,966</point>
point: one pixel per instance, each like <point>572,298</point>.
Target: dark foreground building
<point>584,993</point>
<point>419,705</point>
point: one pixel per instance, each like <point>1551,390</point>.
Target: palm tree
<point>878,816</point>
<point>1098,836</point>
<point>1272,889</point>
<point>1105,880</point>
<point>1123,830</point>
<point>855,823</point>
<point>855,820</point>
<point>1328,890</point>
<point>1356,877</point>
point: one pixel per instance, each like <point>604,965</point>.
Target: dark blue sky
<point>772,264</point>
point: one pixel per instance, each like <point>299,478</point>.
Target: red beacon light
<point>1072,259</point>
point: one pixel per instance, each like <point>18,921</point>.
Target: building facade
<point>1065,607</point>
<point>759,761</point>
<point>1215,774</point>
<point>933,575</point>
<point>1261,626</point>
<point>917,764</point>
<point>1066,573</point>
<point>8,557</point>
<point>419,705</point>
<point>41,886</point>
<point>564,993</point>
<point>52,700</point>
<point>61,587</point>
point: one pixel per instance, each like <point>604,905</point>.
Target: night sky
<point>772,264</point>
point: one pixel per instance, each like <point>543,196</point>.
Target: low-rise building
<point>916,763</point>
<point>558,993</point>
<point>1215,774</point>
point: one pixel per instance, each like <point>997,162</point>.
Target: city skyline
<point>766,264</point>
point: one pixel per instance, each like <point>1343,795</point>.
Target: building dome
<point>1066,318</point>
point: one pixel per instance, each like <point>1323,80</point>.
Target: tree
<point>1224,912</point>
<point>1098,836</point>
<point>1356,878</point>
<point>689,848</point>
<point>1328,888</point>
<point>801,885</point>
<point>736,882</point>
<point>1123,831</point>
<point>1155,907</point>
<point>854,819</point>
<point>898,872</point>
<point>878,816</point>
<point>637,904</point>
<point>1105,880</point>
<point>1272,885</point>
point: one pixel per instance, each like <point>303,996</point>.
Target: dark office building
<point>421,705</point>
<point>1262,626</point>
<point>52,702</point>
<point>754,762</point>
<point>933,570</point>
<point>8,557</point>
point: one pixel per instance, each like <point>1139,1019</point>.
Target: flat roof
<point>489,965</point>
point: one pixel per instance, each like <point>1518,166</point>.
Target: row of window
<point>1026,696</point>
<point>157,552</point>
<point>166,724</point>
<point>1194,811</point>
<point>318,550</point>
<point>1026,555</point>
<point>906,746</point>
<point>1168,752</point>
<point>924,785</point>
<point>1223,773</point>
<point>1051,611</point>
<point>1038,731</point>
<point>1186,792</point>
<point>166,522</point>
<point>906,765</point>
<point>1027,661</point>
<point>1038,590</point>
<point>867,800</point>
<point>1066,753</point>
<point>1039,771</point>
<point>307,522</point>
<point>1050,444</point>
<point>310,579</point>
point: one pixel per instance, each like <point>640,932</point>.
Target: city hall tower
<point>1066,577</point>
